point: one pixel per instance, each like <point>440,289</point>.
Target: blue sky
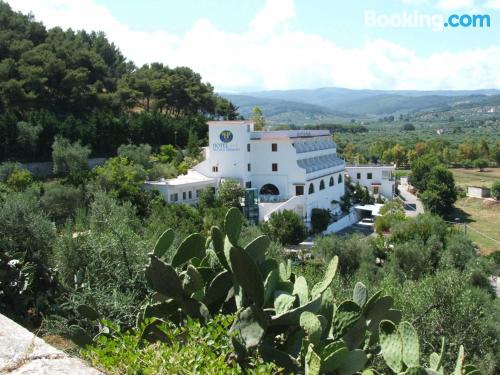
<point>339,20</point>
<point>241,45</point>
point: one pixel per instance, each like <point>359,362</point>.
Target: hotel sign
<point>226,136</point>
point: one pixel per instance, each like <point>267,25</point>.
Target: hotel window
<point>249,167</point>
<point>332,181</point>
<point>190,194</point>
<point>299,190</point>
<point>322,185</point>
<point>198,193</point>
<point>248,184</point>
<point>215,169</point>
<point>358,176</point>
<point>275,167</point>
<point>248,147</point>
<point>274,147</point>
<point>183,195</point>
<point>174,197</point>
<point>340,178</point>
<point>369,176</point>
<point>311,189</point>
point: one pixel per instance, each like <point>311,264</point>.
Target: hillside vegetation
<point>79,85</point>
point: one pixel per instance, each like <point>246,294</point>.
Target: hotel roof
<point>192,177</point>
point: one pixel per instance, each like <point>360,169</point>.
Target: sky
<point>250,45</point>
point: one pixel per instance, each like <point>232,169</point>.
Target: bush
<point>138,154</point>
<point>7,168</point>
<point>495,190</point>
<point>121,177</point>
<point>285,227</point>
<point>459,251</point>
<point>230,193</point>
<point>19,180</point>
<point>159,170</point>
<point>69,159</point>
<point>28,286</point>
<point>184,218</point>
<point>100,258</point>
<point>61,201</point>
<point>207,199</point>
<point>420,228</point>
<point>411,260</point>
<point>320,219</point>
<point>445,304</point>
<point>348,249</point>
<point>204,349</point>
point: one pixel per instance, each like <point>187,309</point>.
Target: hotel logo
<point>226,136</point>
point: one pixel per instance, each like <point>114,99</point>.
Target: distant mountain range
<point>332,104</point>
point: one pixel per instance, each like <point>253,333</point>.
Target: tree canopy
<point>76,84</point>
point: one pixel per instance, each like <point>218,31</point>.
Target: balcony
<point>267,198</point>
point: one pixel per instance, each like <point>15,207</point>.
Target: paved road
<point>413,205</point>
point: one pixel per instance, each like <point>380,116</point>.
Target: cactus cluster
<point>277,314</point>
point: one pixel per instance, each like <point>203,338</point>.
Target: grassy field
<point>472,177</point>
<point>483,222</point>
<point>482,216</point>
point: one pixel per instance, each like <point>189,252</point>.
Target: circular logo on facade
<point>226,136</point>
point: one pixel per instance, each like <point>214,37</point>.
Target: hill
<point>339,104</point>
<point>279,111</point>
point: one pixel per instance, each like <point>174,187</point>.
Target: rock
<point>21,352</point>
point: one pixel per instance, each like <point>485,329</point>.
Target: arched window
<point>340,178</point>
<point>311,188</point>
<point>332,182</point>
<point>269,189</point>
<point>322,185</point>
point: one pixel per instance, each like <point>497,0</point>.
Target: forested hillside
<point>80,86</point>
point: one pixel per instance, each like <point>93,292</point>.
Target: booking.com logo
<point>415,19</point>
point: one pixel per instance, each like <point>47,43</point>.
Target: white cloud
<point>272,55</point>
<point>493,4</point>
<point>456,4</point>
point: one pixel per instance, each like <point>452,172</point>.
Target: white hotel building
<point>293,169</point>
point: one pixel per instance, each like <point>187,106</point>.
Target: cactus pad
<point>193,246</point>
<point>247,274</point>
<point>329,276</point>
<point>232,225</point>
<point>164,243</point>
<point>163,279</point>
<point>391,345</point>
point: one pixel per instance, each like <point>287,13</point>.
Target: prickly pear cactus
<point>301,329</point>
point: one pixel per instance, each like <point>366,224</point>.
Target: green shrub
<point>445,304</point>
<point>100,258</point>
<point>137,154</point>
<point>275,316</point>
<point>19,180</point>
<point>285,227</point>
<point>320,219</point>
<point>159,170</point>
<point>61,201</point>
<point>495,190</point>
<point>348,249</point>
<point>7,168</point>
<point>27,283</point>
<point>195,349</point>
<point>230,193</point>
<point>69,159</point>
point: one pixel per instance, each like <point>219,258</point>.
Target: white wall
<point>167,190</point>
<point>386,185</point>
<point>230,157</point>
